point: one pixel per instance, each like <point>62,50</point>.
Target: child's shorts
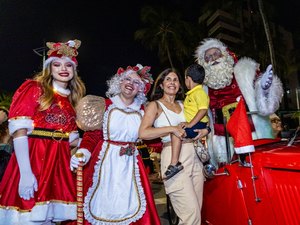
<point>190,131</point>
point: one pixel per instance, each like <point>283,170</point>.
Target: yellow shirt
<point>195,100</point>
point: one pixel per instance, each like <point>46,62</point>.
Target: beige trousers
<point>185,189</point>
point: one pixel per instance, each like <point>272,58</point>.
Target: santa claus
<point>228,79</point>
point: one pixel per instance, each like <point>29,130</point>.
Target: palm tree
<point>166,31</point>
<point>268,33</point>
<point>5,100</point>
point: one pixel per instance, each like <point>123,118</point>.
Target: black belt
<point>56,135</point>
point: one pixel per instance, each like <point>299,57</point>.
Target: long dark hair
<point>157,91</point>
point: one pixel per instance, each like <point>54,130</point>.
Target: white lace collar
<point>120,104</point>
<point>59,89</point>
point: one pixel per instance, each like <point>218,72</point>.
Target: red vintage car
<point>266,193</point>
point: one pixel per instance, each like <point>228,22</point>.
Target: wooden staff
<point>79,190</point>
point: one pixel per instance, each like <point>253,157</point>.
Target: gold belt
<point>56,135</point>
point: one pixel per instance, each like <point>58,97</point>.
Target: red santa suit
<point>49,156</point>
<point>228,78</point>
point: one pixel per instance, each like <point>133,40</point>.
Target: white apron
<point>117,196</point>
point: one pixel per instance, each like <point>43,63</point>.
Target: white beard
<point>220,75</point>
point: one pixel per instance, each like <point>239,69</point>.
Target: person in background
<point>144,151</point>
<point>3,116</point>
<point>6,147</point>
<point>116,186</point>
<point>276,125</point>
<point>161,119</point>
<point>38,187</point>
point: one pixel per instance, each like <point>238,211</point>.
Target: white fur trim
<point>244,72</point>
<point>39,214</point>
<point>60,89</point>
<point>244,149</point>
<point>208,44</point>
<point>256,98</point>
<point>50,59</point>
<point>20,123</point>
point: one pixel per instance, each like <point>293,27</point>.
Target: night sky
<point>106,29</point>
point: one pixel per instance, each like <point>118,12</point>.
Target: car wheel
<point>173,218</point>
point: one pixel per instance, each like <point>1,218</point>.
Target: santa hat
<point>66,50</point>
<point>209,43</point>
<point>239,128</point>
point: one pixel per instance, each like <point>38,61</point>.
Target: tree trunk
<point>268,34</point>
<point>169,57</point>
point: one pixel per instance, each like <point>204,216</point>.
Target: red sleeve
<point>90,139</point>
<point>25,101</point>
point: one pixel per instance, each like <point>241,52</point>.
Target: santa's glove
<point>28,183</point>
<point>84,158</point>
<point>267,78</point>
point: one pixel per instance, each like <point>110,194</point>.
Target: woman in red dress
<point>38,187</point>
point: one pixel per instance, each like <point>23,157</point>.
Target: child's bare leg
<point>176,146</point>
<point>175,165</point>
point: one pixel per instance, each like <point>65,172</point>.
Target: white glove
<point>267,78</point>
<point>28,183</point>
<point>74,162</point>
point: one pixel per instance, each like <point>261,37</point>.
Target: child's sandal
<point>172,170</point>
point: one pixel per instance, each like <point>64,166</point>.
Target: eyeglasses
<point>214,56</point>
<point>135,82</point>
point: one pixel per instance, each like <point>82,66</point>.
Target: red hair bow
<point>120,71</point>
<point>143,72</point>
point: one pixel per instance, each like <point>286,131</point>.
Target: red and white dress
<point>49,157</point>
<point>116,186</point>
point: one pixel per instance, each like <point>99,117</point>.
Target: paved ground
<point>160,201</point>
